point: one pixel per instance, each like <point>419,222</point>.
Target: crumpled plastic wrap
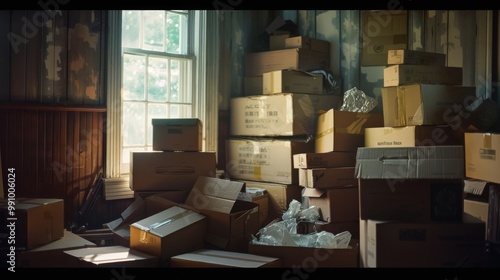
<point>284,232</point>
<point>356,100</point>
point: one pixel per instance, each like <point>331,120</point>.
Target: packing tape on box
<point>357,126</point>
<point>145,230</point>
<point>400,96</point>
<point>487,140</point>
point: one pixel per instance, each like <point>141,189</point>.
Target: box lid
<point>176,122</point>
<point>168,221</point>
<point>476,187</point>
<point>108,254</point>
<point>214,194</point>
<point>422,162</point>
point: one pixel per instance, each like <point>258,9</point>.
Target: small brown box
<point>177,135</point>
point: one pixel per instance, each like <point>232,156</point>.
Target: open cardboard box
<point>231,222</point>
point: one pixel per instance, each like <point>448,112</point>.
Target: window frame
<point>205,86</point>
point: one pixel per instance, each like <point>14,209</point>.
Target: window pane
<point>176,39</point>
<point>157,79</point>
<point>154,26</point>
<point>134,129</point>
<point>133,77</point>
<point>126,154</point>
<point>155,111</point>
<point>180,111</point>
<point>180,81</point>
<point>130,29</point>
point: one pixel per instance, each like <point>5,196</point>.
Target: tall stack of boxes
<point>327,174</point>
<point>278,119</point>
<point>411,170</point>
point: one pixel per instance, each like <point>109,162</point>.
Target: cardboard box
<point>422,162</point>
<point>280,195</point>
<point>324,160</point>
<point>339,131</point>
<point>140,209</point>
<point>173,231</point>
<point>110,256</point>
<point>231,222</point>
<point>292,81</point>
<point>410,136</point>
<point>52,254</point>
<point>404,74</point>
<point>425,200</point>
<point>307,43</point>
<point>253,86</point>
<point>268,160</point>
<point>305,257</point>
<point>414,57</point>
<point>480,156</point>
<point>389,244</point>
<point>424,104</point>
<point>207,258</point>
<point>284,114</point>
<point>258,63</point>
<point>175,196</point>
<point>336,204</point>
<point>478,209</point>
<point>382,30</point>
<point>36,221</point>
<point>320,178</point>
<point>162,171</point>
<point>277,40</point>
<point>177,134</point>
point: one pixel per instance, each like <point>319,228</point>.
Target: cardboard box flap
<point>474,186</point>
<point>214,194</point>
<point>176,122</point>
<point>312,192</point>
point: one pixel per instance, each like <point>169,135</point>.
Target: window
<point>157,68</point>
<point>157,75</point>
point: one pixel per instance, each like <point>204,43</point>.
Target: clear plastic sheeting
<point>284,232</point>
<point>356,100</point>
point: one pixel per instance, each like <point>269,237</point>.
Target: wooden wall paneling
<point>30,138</point>
<point>14,152</point>
<point>4,117</point>
<point>5,45</point>
<point>18,56</point>
<point>94,142</point>
<point>74,188</point>
<point>59,176</point>
<point>33,56</point>
<point>43,167</point>
<point>51,165</point>
<point>63,148</point>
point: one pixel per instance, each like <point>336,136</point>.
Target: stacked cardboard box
<point>277,119</point>
<point>411,170</point>
<point>175,162</point>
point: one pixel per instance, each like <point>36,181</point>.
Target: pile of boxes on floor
<point>290,134</point>
<point>411,170</point>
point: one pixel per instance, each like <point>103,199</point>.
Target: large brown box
<point>264,159</point>
<point>324,160</point>
<point>343,131</point>
<point>320,178</point>
<point>403,74</point>
<point>231,221</point>
<point>424,244</point>
<point>177,134</point>
<point>161,171</point>
<point>175,230</point>
<point>36,221</point>
<point>410,136</point>
<point>424,104</point>
<point>292,81</point>
<point>280,195</point>
<point>258,63</point>
<point>415,200</point>
<point>280,114</point>
<point>308,43</point>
